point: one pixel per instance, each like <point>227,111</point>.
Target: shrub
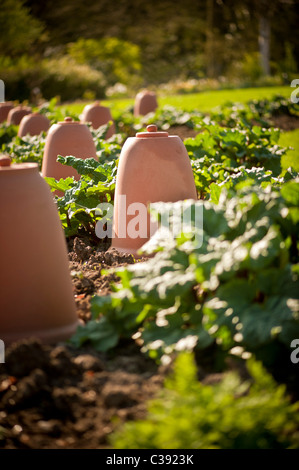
<point>55,76</point>
<point>118,60</point>
<point>226,415</point>
<point>70,80</point>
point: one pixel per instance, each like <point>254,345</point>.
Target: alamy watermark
<point>294,97</point>
<point>2,89</point>
<point>133,221</point>
<point>295,353</point>
<point>2,352</point>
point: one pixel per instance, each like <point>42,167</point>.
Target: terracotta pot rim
<point>146,135</point>
<point>68,121</point>
<point>21,107</point>
<point>152,131</point>
<point>20,167</point>
<point>95,104</point>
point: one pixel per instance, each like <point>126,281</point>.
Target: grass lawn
<point>290,139</point>
<point>208,100</point>
<point>204,101</point>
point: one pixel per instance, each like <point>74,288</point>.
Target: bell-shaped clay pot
<point>145,102</point>
<point>36,291</point>
<point>16,114</point>
<point>66,138</point>
<point>98,115</point>
<point>4,110</point>
<point>153,167</point>
<point>33,124</point>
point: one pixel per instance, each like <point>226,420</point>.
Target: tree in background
<point>140,43</point>
<point>191,38</point>
<point>19,30</point>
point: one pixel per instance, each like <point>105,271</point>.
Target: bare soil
<point>285,122</point>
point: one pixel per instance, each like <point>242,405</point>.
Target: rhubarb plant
<point>78,205</point>
<point>238,289</point>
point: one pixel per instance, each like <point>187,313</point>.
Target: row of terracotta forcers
<point>22,116</point>
<point>145,102</point>
<point>35,123</point>
<point>153,166</point>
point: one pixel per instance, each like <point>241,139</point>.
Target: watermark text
<point>294,97</point>
<point>295,353</point>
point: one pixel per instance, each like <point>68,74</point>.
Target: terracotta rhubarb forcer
<point>4,110</point>
<point>33,124</point>
<point>16,114</point>
<point>36,290</point>
<point>153,167</point>
<point>145,102</point>
<point>98,115</point>
<point>66,138</point>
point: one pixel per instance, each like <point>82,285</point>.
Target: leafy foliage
<point>169,116</point>
<point>78,205</point>
<point>228,415</point>
<point>248,146</point>
<point>254,111</point>
<point>7,133</point>
<point>26,149</point>
<point>239,287</point>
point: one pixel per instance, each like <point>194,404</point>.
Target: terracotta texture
<point>66,138</point>
<point>98,115</point>
<point>36,291</point>
<point>16,114</point>
<point>145,102</point>
<point>4,110</point>
<point>153,167</point>
<point>33,124</point>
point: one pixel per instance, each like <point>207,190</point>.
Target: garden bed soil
<point>285,122</point>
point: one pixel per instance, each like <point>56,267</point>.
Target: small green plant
<point>26,149</point>
<point>78,205</point>
<point>247,146</point>
<point>7,133</point>
<point>232,414</point>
